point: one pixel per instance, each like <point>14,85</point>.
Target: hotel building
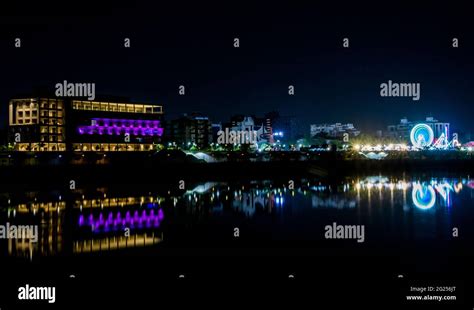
<point>66,124</point>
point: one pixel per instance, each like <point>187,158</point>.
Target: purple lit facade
<point>113,126</point>
<point>143,219</point>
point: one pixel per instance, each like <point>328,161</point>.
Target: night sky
<point>280,45</point>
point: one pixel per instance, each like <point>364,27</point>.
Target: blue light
<point>421,135</point>
<point>424,197</point>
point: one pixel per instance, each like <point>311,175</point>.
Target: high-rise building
<point>216,128</point>
<point>60,124</point>
<point>37,124</point>
<point>190,130</point>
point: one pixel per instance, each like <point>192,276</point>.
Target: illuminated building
<point>187,131</point>
<point>51,124</point>
<point>37,124</point>
<point>241,123</point>
<point>336,130</point>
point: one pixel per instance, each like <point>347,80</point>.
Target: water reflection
<point>424,197</point>
<point>115,221</point>
<point>424,194</point>
<point>92,221</point>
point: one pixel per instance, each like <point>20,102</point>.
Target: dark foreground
<point>281,254</point>
<point>149,171</point>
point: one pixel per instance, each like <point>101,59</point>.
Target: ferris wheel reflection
<point>424,196</point>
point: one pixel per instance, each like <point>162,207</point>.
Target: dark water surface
<point>267,213</point>
<point>420,228</point>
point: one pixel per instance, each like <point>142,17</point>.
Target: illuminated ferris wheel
<point>422,136</point>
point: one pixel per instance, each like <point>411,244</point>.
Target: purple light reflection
<point>150,219</point>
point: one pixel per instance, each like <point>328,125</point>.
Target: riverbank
<point>156,171</point>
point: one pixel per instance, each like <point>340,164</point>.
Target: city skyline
<point>331,83</point>
<point>128,119</point>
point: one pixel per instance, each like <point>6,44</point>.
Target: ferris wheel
<point>421,136</point>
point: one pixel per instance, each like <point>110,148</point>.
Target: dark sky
<point>281,44</point>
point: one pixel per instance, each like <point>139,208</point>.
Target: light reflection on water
<point>92,222</point>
